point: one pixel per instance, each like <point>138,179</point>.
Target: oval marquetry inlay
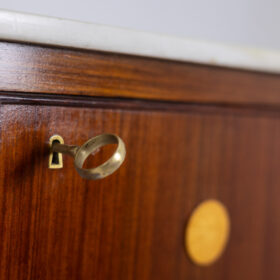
<point>207,232</point>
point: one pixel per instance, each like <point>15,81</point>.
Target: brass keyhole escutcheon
<point>55,159</point>
<point>207,232</point>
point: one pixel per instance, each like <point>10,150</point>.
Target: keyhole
<point>55,159</point>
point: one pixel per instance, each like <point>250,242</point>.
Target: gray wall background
<point>240,22</point>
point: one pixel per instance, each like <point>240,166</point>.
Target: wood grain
<point>55,225</point>
<point>30,68</point>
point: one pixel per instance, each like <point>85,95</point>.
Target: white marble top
<point>23,27</point>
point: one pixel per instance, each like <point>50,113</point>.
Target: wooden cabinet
<point>192,132</point>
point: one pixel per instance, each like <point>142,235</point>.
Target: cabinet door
<point>131,225</point>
